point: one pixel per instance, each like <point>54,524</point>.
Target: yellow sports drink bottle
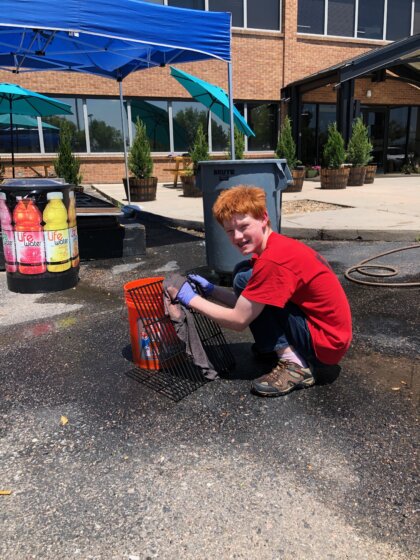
<point>74,242</point>
<point>56,232</point>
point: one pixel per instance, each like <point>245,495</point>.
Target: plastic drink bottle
<point>56,232</point>
<point>8,236</point>
<point>29,238</point>
<point>74,241</point>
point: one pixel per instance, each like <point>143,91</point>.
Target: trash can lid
<point>34,182</point>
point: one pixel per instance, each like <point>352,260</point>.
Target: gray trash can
<point>273,175</point>
<point>39,232</point>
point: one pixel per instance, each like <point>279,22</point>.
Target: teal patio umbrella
<point>16,99</point>
<point>22,121</point>
<point>212,97</point>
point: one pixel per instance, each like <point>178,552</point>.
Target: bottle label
<point>57,246</point>
<point>30,248</point>
<point>74,243</point>
<point>9,249</point>
<point>148,345</point>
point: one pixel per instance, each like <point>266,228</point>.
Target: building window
<point>187,115</point>
<point>190,4</point>
<point>398,19</point>
<point>263,14</point>
<point>416,25</point>
<point>414,137</point>
<point>341,17</point>
<point>263,118</point>
<point>371,18</point>
<point>104,121</point>
<point>311,16</point>
<point>236,7</point>
<point>155,116</point>
<point>77,123</point>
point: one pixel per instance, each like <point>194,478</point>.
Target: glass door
<point>375,119</point>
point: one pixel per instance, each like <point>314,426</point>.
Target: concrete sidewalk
<point>387,210</point>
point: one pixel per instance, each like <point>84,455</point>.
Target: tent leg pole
<point>12,147</point>
<point>232,129</point>
<point>124,140</point>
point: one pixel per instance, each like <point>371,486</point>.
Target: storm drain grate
<point>175,375</point>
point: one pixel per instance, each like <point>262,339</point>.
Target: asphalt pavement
<point>101,466</point>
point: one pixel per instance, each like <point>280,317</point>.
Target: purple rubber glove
<point>185,294</point>
<point>205,286</point>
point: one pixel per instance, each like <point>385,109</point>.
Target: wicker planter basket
<point>189,188</point>
<point>334,178</point>
<point>141,190</point>
<point>370,174</point>
<point>298,177</point>
<point>356,176</point>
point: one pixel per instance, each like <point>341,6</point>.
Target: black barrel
<point>39,233</point>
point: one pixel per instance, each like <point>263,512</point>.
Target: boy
<point>286,293</point>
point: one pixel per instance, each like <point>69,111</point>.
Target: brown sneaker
<point>285,377</point>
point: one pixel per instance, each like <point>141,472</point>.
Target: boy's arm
<point>236,318</point>
<point>224,295</point>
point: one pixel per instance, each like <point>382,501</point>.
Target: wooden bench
<point>181,168</point>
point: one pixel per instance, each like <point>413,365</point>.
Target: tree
<point>239,144</point>
<point>359,147</point>
<point>199,151</point>
<point>140,161</point>
<point>286,147</point>
<point>67,165</point>
<point>334,152</point>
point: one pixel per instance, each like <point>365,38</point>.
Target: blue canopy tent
<point>109,38</point>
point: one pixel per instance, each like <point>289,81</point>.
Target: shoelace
<point>281,370</point>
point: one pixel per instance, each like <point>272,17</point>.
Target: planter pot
<point>370,174</point>
<point>298,177</point>
<point>334,178</point>
<point>356,176</point>
<point>141,190</point>
<point>189,188</point>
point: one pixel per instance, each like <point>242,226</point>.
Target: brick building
<point>275,44</point>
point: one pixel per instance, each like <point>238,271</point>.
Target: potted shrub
<point>239,145</point>
<point>199,151</point>
<point>334,174</point>
<point>286,148</point>
<point>358,153</point>
<point>142,185</point>
<point>66,165</point>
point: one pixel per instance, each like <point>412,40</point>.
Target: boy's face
<point>246,233</point>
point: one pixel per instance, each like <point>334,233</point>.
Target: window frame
<point>356,24</point>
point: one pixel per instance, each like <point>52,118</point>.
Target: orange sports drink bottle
<point>29,238</point>
<point>74,241</point>
<point>56,232</point>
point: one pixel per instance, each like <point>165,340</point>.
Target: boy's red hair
<point>242,199</point>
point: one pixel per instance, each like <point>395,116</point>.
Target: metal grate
<point>177,376</point>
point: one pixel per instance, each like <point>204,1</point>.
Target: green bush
<point>66,165</point>
<point>140,161</point>
<point>334,154</point>
<point>286,147</point>
<point>359,147</point>
<point>199,151</point>
<point>239,145</point>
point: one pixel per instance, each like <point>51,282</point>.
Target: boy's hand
<point>185,294</point>
<point>206,286</point>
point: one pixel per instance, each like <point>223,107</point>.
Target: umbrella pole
<point>124,140</point>
<point>11,139</point>
<point>232,130</point>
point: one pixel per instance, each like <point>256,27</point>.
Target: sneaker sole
<point>303,385</point>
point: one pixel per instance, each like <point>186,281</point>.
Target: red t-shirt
<point>288,270</point>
